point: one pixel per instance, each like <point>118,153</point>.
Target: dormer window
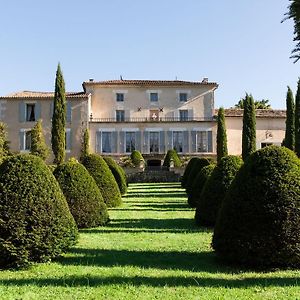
<point>153,97</point>
<point>120,97</point>
<point>30,112</point>
<point>183,97</point>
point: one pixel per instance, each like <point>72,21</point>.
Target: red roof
<point>260,113</point>
<point>47,95</point>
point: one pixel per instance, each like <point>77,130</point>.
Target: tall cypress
<point>289,140</point>
<point>58,138</point>
<point>221,135</point>
<point>297,120</point>
<point>85,144</point>
<point>249,127</point>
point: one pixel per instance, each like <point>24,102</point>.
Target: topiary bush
<point>119,174</point>
<point>187,171</point>
<point>136,157</point>
<point>196,168</point>
<point>198,184</point>
<point>104,178</point>
<point>83,196</point>
<point>172,155</point>
<point>259,220</point>
<point>215,188</point>
<point>35,222</point>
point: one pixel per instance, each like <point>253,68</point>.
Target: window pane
<point>106,142</point>
<point>183,97</point>
<point>130,142</point>
<point>30,112</point>
<point>183,114</point>
<point>28,140</point>
<point>120,97</point>
<point>178,141</point>
<point>153,97</point>
<point>202,141</point>
<point>120,115</point>
<point>154,142</point>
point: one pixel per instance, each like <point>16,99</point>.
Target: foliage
<point>83,196</point>
<point>259,221</point>
<point>297,120</point>
<point>222,150</point>
<point>258,104</point>
<point>4,144</point>
<point>35,222</point>
<point>172,155</point>
<point>125,162</point>
<point>198,184</point>
<point>104,178</point>
<point>85,144</point>
<point>136,157</point>
<point>187,171</point>
<point>118,173</point>
<point>289,140</point>
<point>38,144</point>
<point>196,168</point>
<point>58,139</point>
<point>249,127</point>
<point>215,188</point>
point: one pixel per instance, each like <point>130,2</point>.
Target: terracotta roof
<point>149,82</point>
<point>260,113</point>
<point>47,95</point>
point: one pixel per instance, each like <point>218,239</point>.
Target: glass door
<point>154,142</point>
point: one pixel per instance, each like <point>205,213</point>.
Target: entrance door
<point>154,142</point>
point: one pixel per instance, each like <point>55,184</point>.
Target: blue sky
<point>239,44</point>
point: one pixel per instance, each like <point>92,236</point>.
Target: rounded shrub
<point>118,173</point>
<point>35,222</point>
<point>136,157</point>
<point>104,178</point>
<point>172,155</point>
<point>187,171</point>
<point>83,196</point>
<point>259,220</point>
<point>198,184</point>
<point>196,168</point>
<point>215,188</point>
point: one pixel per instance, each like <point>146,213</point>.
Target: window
<point>27,140</point>
<point>178,141</point>
<point>30,112</point>
<point>202,141</point>
<point>68,140</point>
<point>153,97</point>
<point>129,142</point>
<point>183,115</point>
<point>120,115</point>
<point>106,142</point>
<point>120,97</point>
<point>154,142</point>
<point>183,97</point>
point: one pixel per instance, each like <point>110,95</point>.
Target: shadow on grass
<point>179,195</point>
<point>167,206</point>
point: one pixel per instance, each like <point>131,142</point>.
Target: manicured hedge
<point>136,157</point>
<point>83,196</point>
<point>35,222</point>
<point>187,171</point>
<point>118,173</point>
<point>215,189</point>
<point>172,154</point>
<point>259,220</point>
<point>104,178</point>
<point>198,184</point>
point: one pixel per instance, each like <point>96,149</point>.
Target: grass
<point>150,250</point>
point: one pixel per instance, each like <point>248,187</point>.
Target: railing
<point>151,120</point>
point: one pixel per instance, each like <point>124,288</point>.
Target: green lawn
<point>150,250</point>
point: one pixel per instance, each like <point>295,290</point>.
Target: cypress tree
<point>222,150</point>
<point>85,144</point>
<point>4,143</point>
<point>38,144</point>
<point>58,139</point>
<point>249,127</point>
<point>289,140</point>
<point>297,121</point>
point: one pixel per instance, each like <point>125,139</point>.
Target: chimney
<point>91,79</point>
<point>205,80</point>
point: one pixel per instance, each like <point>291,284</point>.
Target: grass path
<point>150,250</point>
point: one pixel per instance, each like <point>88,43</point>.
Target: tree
<point>38,144</point>
<point>249,127</point>
<point>289,140</point>
<point>58,138</point>
<point>4,144</point>
<point>85,144</point>
<point>222,150</point>
<point>294,13</point>
<point>297,120</point>
<point>258,104</point>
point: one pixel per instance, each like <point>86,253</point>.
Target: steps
<point>154,176</point>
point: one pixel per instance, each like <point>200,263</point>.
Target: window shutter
<point>190,114</point>
<point>22,140</point>
<point>69,111</point>
<point>22,116</point>
<point>114,141</point>
<point>194,145</point>
<point>98,141</point>
<point>68,140</point>
<point>127,115</point>
<point>122,141</point>
<point>138,141</point>
<point>209,141</point>
<point>170,136</point>
<point>51,109</point>
<point>185,147</point>
<point>146,142</point>
<point>162,142</point>
<point>37,111</point>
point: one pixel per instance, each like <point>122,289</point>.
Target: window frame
<point>131,133</point>
<point>119,94</point>
<point>176,133</point>
<point>121,117</point>
<point>34,111</point>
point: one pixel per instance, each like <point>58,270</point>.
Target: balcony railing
<point>151,120</point>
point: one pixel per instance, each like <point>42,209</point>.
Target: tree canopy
<point>258,104</point>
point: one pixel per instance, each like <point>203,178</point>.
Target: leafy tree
<point>294,14</point>
<point>172,155</point>
<point>289,140</point>
<point>249,127</point>
<point>258,104</point>
<point>38,144</point>
<point>297,121</point>
<point>222,150</point>
<point>58,138</point>
<point>85,144</point>
<point>4,143</point>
